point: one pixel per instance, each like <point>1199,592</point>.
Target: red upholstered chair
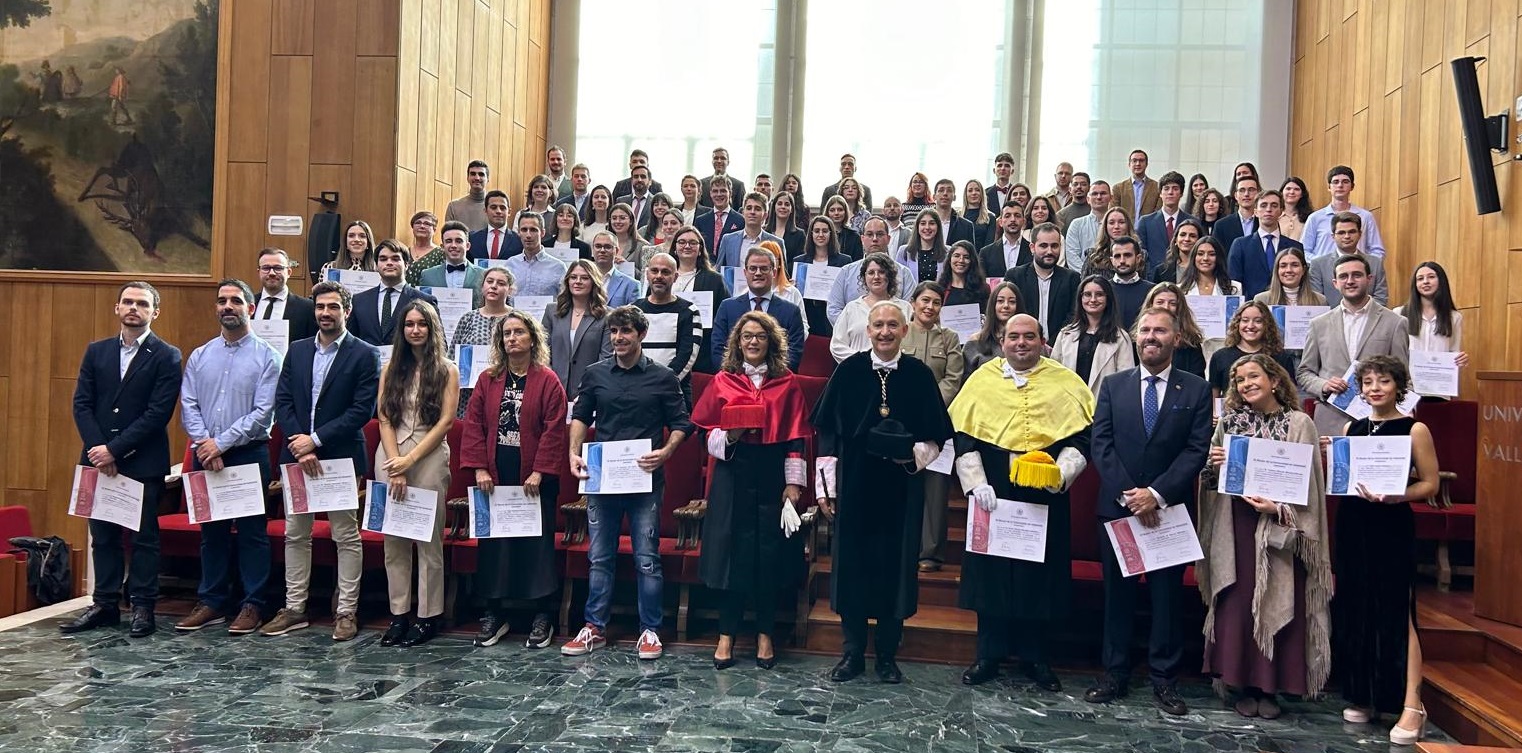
<point>817,360</point>
<point>15,520</point>
<point>1449,516</point>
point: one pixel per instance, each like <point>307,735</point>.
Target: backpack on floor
<point>48,572</point>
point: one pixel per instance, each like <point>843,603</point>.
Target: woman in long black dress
<point>1376,657</point>
<point>757,423</point>
<point>514,433</point>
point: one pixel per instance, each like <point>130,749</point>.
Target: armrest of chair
<point>575,521</point>
<point>458,512</point>
<point>689,523</point>
<point>817,527</point>
<point>1443,500</point>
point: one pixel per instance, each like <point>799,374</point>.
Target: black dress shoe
<point>888,671</point>
<point>767,663</point>
<point>422,632</point>
<point>1168,700</point>
<point>143,624</point>
<point>722,664</point>
<point>1041,673</point>
<point>93,617</point>
<point>980,672</point>
<point>1107,689</point>
<point>848,668</point>
<point>397,632</point>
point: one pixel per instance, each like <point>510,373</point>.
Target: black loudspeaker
<point>1481,134</point>
<point>324,236</point>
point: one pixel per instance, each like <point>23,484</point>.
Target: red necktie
<point>1170,228</point>
<point>718,228</point>
<point>496,242</point>
<point>755,303</point>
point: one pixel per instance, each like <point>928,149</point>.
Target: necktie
<point>755,303</point>
<point>454,267</point>
<point>1149,405</point>
<point>638,202</point>
<point>386,308</point>
<point>269,307</point>
<point>1268,248</point>
<point>496,242</point>
<point>718,227</point>
<point>1169,228</point>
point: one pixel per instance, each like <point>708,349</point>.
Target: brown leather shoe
<point>246,622</point>
<point>345,627</point>
<point>202,616</point>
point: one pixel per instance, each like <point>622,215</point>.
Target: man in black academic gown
<point>879,422</point>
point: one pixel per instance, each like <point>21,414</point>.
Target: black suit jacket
<point>128,414</point>
<point>299,311</point>
<point>625,187</point>
<point>364,318</point>
<point>992,257</point>
<point>961,230</point>
<point>480,247</point>
<point>1064,290</point>
<point>1170,460</point>
<point>344,406</point>
<point>704,223</point>
<point>1229,228</point>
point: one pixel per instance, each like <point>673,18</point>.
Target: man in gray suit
<point>1347,231</point>
<point>456,271</point>
<point>1359,327</point>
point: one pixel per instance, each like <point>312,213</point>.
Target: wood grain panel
<point>406,201</point>
<point>465,51</point>
<point>379,26</point>
<point>290,139</point>
<point>26,425</point>
<point>431,36</point>
<point>249,81</point>
<point>375,138</point>
<point>63,448</point>
<point>66,298</point>
<point>294,24</point>
<point>333,84</point>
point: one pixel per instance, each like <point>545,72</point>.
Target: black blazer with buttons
<point>299,311</point>
<point>128,414</point>
<point>344,406</point>
<point>364,318</point>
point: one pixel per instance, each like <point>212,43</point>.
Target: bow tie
<point>882,365</point>
<point>754,371</point>
<point>454,267</point>
<point>1020,379</point>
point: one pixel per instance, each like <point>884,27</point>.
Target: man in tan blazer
<point>1355,329</point>
<point>1139,195</point>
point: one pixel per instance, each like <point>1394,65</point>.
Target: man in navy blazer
<point>1242,222</point>
<point>368,320</point>
<point>721,221</point>
<point>1151,437</point>
<point>125,395</point>
<point>497,236</point>
<point>954,228</point>
<point>1155,230</point>
<point>341,374</point>
<point>1249,260</point>
<point>760,277</point>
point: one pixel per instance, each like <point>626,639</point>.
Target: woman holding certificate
<point>575,325</point>
<point>757,423</point>
<point>941,350</point>
<point>1434,324</point>
<point>419,392</point>
<point>1266,576</point>
<point>515,434</point>
<point>476,327</point>
<point>1379,659</point>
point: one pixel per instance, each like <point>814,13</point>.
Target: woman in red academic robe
<point>757,422</point>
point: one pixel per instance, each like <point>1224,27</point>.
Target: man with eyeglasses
<point>1318,239</point>
<point>1347,231</point>
<point>471,208</point>
<point>760,295</point>
<point>875,239</point>
<point>621,288</point>
<point>1062,193</point>
<point>1244,221</point>
<point>275,299</point>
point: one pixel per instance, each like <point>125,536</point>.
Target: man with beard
<point>1129,285</point>
<point>1151,438</point>
<point>676,329</point>
<point>227,403</point>
<point>123,401</point>
<point>1009,250</point>
<point>326,394</point>
<point>1022,433</point>
<point>275,299</point>
<point>1046,289</point>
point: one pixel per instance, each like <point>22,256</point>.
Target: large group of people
<point>1089,354</point>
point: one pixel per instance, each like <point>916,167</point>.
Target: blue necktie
<point>1268,247</point>
<point>1149,405</point>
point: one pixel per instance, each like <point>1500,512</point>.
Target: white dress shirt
<point>1354,322</point>
<point>129,350</point>
<point>273,306</point>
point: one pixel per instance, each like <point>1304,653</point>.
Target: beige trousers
<point>432,472</point>
<point>298,559</point>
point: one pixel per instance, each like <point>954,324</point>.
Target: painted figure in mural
<point>118,94</point>
<point>72,85</point>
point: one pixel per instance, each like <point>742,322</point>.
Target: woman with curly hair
<point>1251,330</point>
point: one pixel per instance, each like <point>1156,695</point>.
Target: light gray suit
<point>1323,273</point>
<point>474,275</point>
<point>592,345</point>
<point>1326,355</point>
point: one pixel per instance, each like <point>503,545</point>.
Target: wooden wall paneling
<point>290,137</point>
<point>244,217</point>
<point>1476,21</point>
<point>1412,55</point>
<point>5,445</point>
<point>538,68</point>
<point>380,25</point>
<point>460,148</point>
<point>71,309</point>
<point>431,41</point>
<point>1322,16</point>
<point>465,51</point>
<point>26,427</point>
<point>319,178</point>
<point>444,166</point>
<point>293,27</point>
<point>520,156</point>
<point>408,60</point>
<point>63,446</point>
<point>443,192</point>
<point>375,138</point>
<point>406,201</point>
<point>475,115</point>
<point>1395,42</point>
<point>1514,276</point>
<point>520,67</point>
<point>1409,167</point>
<point>1363,72</point>
<point>494,30</point>
<point>492,125</point>
<point>333,105</point>
<point>510,79</point>
<point>7,336</point>
<point>449,33</point>
<point>248,80</point>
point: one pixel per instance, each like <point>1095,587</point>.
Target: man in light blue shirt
<point>227,403</point>
<point>535,272</point>
<point>847,286</point>
<point>1318,238</point>
<point>622,289</point>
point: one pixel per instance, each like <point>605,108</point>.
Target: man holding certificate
<point>1357,328</point>
<point>325,396</point>
<point>1151,438</point>
<point>123,401</point>
<point>630,398</point>
<point>227,403</point>
<point>1022,431</point>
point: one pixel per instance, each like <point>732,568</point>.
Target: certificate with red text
<point>1014,530</point>
<point>236,492</point>
<point>1139,549</point>
<point>335,490</point>
<point>112,499</point>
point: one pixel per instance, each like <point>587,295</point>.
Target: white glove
<point>790,520</point>
<point>1071,462</point>
<point>984,496</point>
<point>969,469</point>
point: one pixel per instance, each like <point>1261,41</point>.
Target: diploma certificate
<point>534,305</point>
<point>276,332</point>
<point>1382,464</point>
<point>473,360</point>
<point>1139,549</point>
<point>815,280</point>
<point>1213,312</point>
<point>356,280</point>
<point>1435,372</point>
<point>703,299</point>
<point>1279,471</point>
<point>112,499</point>
<point>1295,323</point>
<point>235,492</point>
<point>1013,530</point>
<point>944,461</point>
<point>506,513</point>
<point>335,490</point>
<point>965,319</point>
<point>454,304</point>
<point>410,518</point>
<point>613,468</point>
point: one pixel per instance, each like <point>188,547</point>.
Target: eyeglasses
<point>272,267</point>
<point>688,242</point>
<point>750,337</point>
<point>603,246</point>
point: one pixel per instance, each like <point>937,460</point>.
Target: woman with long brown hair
<point>358,251</point>
<point>514,433</point>
<point>419,394</point>
<point>574,327</point>
<point>1003,303</point>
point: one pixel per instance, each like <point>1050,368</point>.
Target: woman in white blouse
<point>1093,344</point>
<point>1434,325</point>
<point>879,276</point>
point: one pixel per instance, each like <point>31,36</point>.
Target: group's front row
<point>1023,428</point>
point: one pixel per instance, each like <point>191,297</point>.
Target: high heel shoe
<point>724,663</point>
<point>1401,736</point>
<point>767,663</point>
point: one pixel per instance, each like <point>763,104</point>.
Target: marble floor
<point>303,692</point>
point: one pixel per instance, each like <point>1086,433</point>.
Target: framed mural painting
<point>107,134</point>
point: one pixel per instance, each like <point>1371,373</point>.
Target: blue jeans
<point>605,515</point>
<point>253,543</point>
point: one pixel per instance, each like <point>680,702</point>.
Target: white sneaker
<point>649,645</point>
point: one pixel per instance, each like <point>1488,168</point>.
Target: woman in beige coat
<point>941,350</point>
<point>1094,345</point>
